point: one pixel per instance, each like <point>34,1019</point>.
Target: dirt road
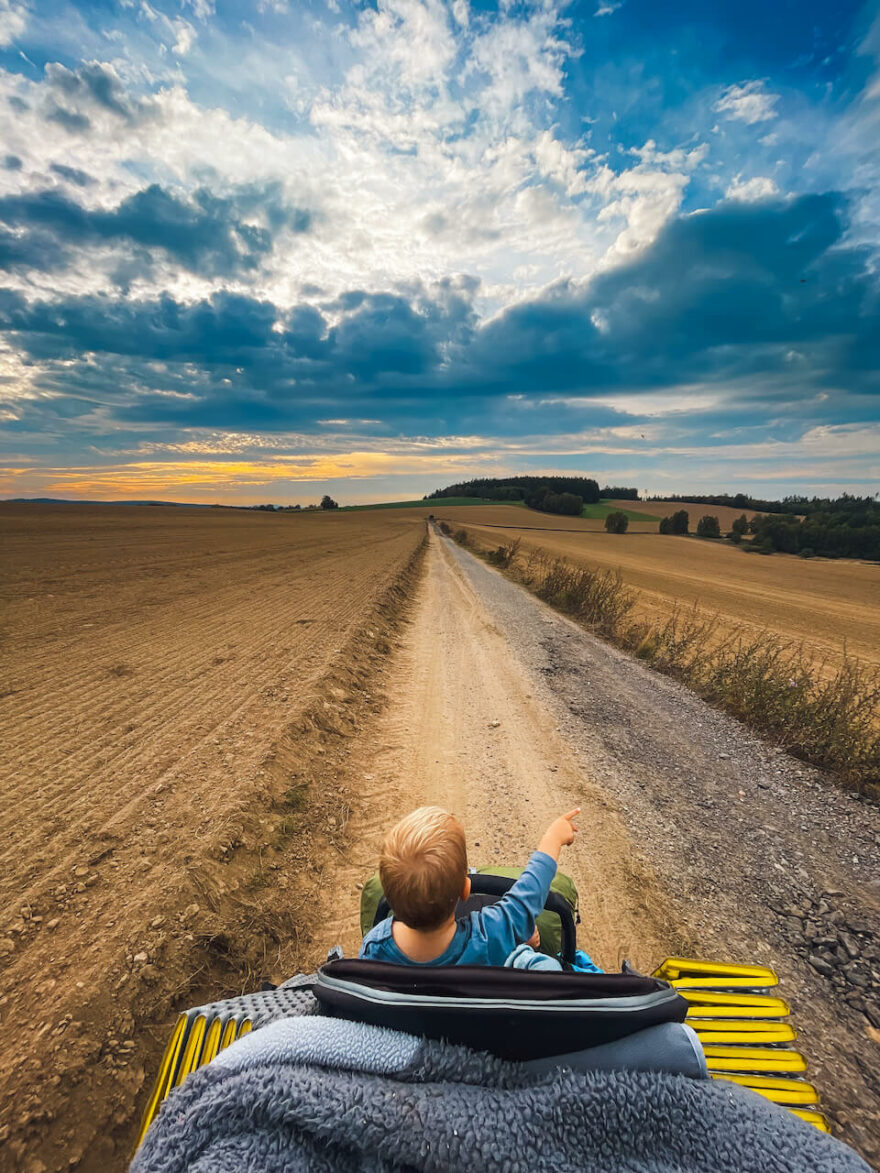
<point>695,835</point>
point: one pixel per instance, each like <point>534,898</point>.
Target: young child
<point>423,869</point>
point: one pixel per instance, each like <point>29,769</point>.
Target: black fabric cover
<point>515,1014</point>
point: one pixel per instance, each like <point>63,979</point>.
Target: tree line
<point>551,494</point>
<point>793,504</point>
<point>848,527</point>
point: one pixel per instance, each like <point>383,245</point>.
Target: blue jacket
<point>487,937</point>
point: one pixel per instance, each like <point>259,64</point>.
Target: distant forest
<point>798,505</point>
<point>840,527</point>
<point>848,527</point>
<point>565,495</point>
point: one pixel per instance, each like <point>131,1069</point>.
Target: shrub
<point>740,525</point>
<point>445,528</point>
<point>680,521</point>
<point>676,523</point>
<point>831,719</point>
<point>461,536</point>
<point>734,536</point>
<point>708,527</point>
<point>569,504</point>
<point>504,556</point>
<point>617,522</point>
<point>807,552</point>
<point>327,502</point>
<point>598,598</point>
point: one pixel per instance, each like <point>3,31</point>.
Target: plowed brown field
<point>153,664</point>
<point>821,603</point>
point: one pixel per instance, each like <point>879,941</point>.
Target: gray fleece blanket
<point>322,1094</point>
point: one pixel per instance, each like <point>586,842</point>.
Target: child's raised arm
<point>504,925</point>
<point>559,834</point>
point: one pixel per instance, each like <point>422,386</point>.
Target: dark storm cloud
<point>724,293</point>
<point>206,234</point>
<point>742,291</point>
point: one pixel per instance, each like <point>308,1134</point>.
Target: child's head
<point>423,867</point>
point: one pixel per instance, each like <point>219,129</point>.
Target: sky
<point>262,250</point>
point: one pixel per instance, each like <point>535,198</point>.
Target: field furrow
<point>152,662</point>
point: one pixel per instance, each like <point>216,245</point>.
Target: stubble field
<point>154,665</point>
<point>824,605</point>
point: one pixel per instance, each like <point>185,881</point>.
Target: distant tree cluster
<point>619,493</point>
<point>569,504</point>
<point>327,502</point>
<point>676,523</point>
<point>739,529</point>
<point>802,506</point>
<point>532,491</point>
<point>847,528</point>
<point>617,522</point>
<point>708,527</point>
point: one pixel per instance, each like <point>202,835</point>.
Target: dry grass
<point>826,714</point>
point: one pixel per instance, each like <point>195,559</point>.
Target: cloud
<point>208,234</point>
<point>72,95</point>
<point>765,297</point>
<point>749,103</point>
<point>434,215</point>
<point>13,21</point>
<point>759,187</point>
<point>71,174</point>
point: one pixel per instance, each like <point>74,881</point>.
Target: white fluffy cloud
<point>759,187</point>
<point>749,103</point>
<point>13,20</point>
<point>429,147</point>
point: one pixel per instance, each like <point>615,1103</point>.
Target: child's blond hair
<point>423,867</point>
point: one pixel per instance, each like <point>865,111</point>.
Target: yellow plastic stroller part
<point>194,1042</point>
<point>793,1093</point>
<point>759,1060</point>
<point>193,1050</point>
<point>212,1042</point>
<point>690,973</point>
<point>170,1058</point>
<point>730,1031</point>
<point>817,1119</point>
<point>709,1004</point>
<point>230,1030</point>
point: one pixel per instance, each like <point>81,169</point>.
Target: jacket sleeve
<point>525,957</point>
<point>511,921</point>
